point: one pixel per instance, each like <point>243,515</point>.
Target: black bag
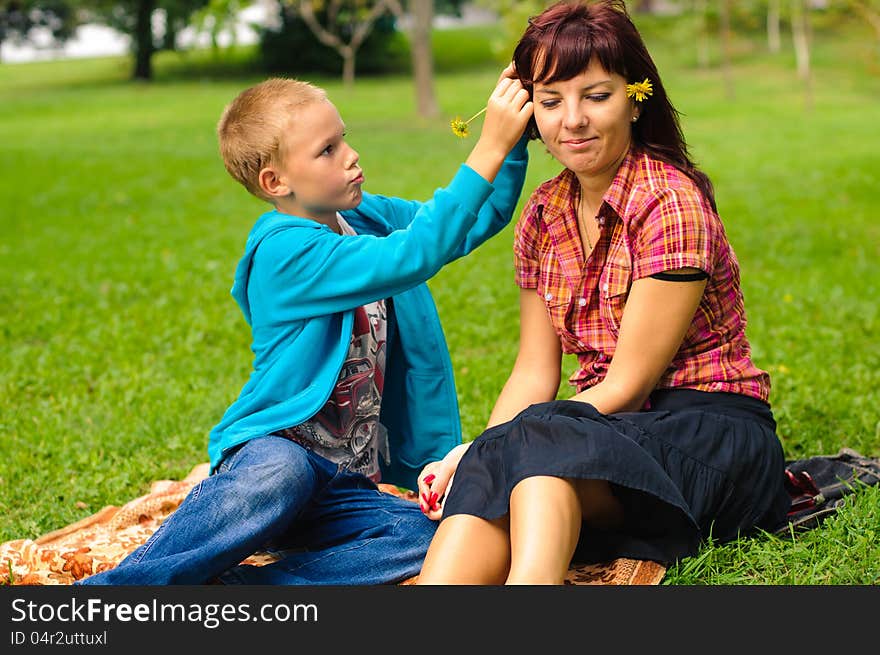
<point>818,485</point>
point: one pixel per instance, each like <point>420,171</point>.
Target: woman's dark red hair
<point>566,36</point>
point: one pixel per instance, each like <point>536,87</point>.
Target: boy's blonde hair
<point>251,126</point>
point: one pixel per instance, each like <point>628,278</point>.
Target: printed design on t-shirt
<point>347,429</point>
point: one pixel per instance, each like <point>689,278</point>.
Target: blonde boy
<point>352,382</point>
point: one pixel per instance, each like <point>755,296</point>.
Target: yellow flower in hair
<point>640,90</point>
<point>460,127</point>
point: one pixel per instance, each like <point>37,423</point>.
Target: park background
<point>121,346</point>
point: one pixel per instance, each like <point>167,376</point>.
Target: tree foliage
<point>344,25</point>
<point>135,18</point>
<point>20,18</point>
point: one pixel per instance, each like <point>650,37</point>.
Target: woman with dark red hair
<point>622,261</point>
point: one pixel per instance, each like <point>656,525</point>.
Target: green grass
<point>121,346</point>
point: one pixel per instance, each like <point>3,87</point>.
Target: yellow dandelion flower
<point>640,90</point>
<point>460,127</point>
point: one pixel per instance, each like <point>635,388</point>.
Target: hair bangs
<point>566,49</point>
<point>561,55</point>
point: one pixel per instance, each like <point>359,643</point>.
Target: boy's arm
<point>304,272</point>
<point>500,156</point>
<point>498,210</point>
<point>318,272</point>
<point>493,216</point>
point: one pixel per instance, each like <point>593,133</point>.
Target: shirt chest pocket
<point>614,284</point>
<point>558,302</point>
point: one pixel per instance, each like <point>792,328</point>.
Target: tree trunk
<point>871,16</point>
<point>348,67</point>
<point>326,35</point>
<point>423,57</point>
<point>700,6</point>
<point>773,41</point>
<point>800,32</point>
<point>143,40</point>
<point>726,63</point>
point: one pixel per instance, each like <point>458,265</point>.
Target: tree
<point>421,54</point>
<point>344,24</point>
<point>724,10</point>
<point>215,17</point>
<point>869,10</point>
<point>774,43</point>
<point>20,18</point>
<point>135,18</point>
<point>800,33</point>
<point>423,57</point>
<point>701,8</point>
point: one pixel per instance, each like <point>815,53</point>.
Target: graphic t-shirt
<point>347,430</point>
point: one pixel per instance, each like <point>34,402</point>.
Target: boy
<point>352,381</point>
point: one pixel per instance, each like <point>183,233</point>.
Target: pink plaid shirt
<point>653,219</point>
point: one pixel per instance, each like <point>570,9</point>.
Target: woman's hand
<point>435,482</point>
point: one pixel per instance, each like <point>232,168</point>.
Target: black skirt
<point>697,465</point>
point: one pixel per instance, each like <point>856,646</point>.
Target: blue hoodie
<point>299,282</point>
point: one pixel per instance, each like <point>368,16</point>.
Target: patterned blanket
<point>100,541</point>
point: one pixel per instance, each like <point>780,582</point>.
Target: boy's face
<point>317,166</point>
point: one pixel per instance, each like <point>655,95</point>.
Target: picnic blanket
<point>102,540</point>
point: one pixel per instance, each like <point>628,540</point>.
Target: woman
<point>623,261</point>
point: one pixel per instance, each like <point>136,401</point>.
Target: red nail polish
<point>426,498</point>
<point>423,508</point>
<point>429,478</point>
<point>433,499</point>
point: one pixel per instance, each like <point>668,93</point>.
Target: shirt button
<point>582,302</point>
<point>605,287</point>
<point>548,296</point>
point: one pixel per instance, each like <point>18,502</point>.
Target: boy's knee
<point>275,465</point>
<point>416,528</point>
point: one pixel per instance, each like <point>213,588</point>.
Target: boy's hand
<point>508,72</point>
<point>508,111</point>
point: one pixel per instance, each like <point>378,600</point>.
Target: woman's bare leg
<point>468,550</point>
<point>545,522</point>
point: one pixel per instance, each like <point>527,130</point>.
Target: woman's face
<point>586,122</point>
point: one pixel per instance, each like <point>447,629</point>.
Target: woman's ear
<point>636,111</point>
<point>271,183</point>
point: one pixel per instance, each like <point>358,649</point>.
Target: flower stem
<point>477,114</point>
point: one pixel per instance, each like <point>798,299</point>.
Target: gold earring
<point>635,118</point>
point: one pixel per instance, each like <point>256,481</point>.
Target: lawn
<point>121,346</point>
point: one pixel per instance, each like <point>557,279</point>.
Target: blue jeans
<point>328,525</point>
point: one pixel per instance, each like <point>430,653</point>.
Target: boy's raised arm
<point>328,273</point>
<point>508,110</point>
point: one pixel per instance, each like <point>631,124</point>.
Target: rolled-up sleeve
<point>675,228</point>
<point>526,258</point>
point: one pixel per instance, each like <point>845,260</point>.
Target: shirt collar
<point>558,199</point>
<point>621,186</point>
